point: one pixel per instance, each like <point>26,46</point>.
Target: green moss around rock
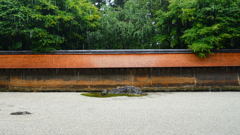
<point>110,95</point>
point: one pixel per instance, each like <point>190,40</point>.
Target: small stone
<point>20,113</point>
<point>104,93</point>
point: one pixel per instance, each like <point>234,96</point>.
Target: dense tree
<point>215,25</point>
<point>47,25</point>
<point>123,28</point>
<point>200,25</point>
<point>43,26</point>
<point>169,25</point>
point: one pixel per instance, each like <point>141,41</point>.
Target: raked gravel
<point>198,113</point>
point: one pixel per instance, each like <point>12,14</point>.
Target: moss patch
<point>110,95</point>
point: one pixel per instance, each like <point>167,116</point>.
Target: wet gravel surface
<point>200,113</point>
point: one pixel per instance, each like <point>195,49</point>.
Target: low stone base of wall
<point>148,79</point>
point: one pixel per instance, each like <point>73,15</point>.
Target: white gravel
<point>203,113</point>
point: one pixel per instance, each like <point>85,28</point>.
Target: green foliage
<point>215,25</point>
<point>44,26</point>
<point>200,25</point>
<point>123,28</point>
<point>169,25</point>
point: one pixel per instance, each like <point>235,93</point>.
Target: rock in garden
<point>126,90</point>
<point>20,113</point>
<point>104,92</point>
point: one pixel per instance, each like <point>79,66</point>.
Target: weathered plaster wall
<point>46,61</point>
<point>148,79</point>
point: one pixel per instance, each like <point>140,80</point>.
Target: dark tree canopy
<point>43,25</point>
<point>47,25</point>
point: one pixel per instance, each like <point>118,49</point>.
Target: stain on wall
<point>4,78</point>
<point>149,79</point>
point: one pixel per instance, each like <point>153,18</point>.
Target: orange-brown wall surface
<point>32,61</point>
<point>148,79</point>
<point>150,72</point>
